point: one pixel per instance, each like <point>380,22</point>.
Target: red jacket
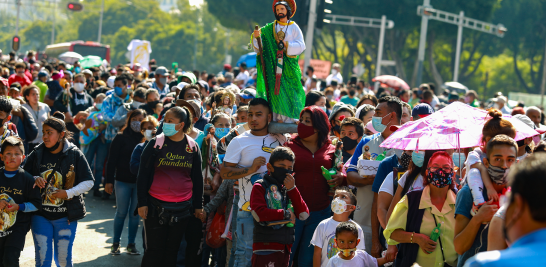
<point>259,208</point>
<point>24,81</point>
<point>309,180</point>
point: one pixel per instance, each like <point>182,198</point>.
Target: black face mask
<point>405,160</point>
<point>521,142</point>
<point>352,93</point>
<point>348,143</point>
<point>279,174</point>
<point>336,129</point>
<point>153,104</point>
<point>54,147</point>
<point>213,83</point>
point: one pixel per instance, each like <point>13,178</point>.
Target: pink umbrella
<point>455,126</point>
<point>391,81</point>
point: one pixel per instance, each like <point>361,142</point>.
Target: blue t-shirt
<point>463,207</point>
<point>385,167</point>
<point>526,251</point>
<point>350,101</point>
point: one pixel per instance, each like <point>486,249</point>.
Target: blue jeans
<point>245,229</point>
<point>126,202</point>
<point>304,234</point>
<point>96,153</point>
<point>47,233</point>
<point>235,209</point>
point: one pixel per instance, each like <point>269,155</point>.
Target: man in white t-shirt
<point>243,74</point>
<point>245,160</point>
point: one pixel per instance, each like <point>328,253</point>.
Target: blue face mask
<point>169,129</point>
<point>241,123</point>
<point>456,162</point>
<point>221,132</point>
<point>118,91</point>
<point>418,158</point>
<point>99,106</point>
<point>377,123</point>
<point>77,70</point>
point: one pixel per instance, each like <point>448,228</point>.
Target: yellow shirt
<point>446,217</point>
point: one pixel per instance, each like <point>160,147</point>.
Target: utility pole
<point>426,11</point>
<point>543,85</point>
<point>309,34</point>
<point>458,49</point>
<point>100,20</point>
<point>380,49</point>
<point>381,24</point>
<point>18,3</point>
<point>422,44</point>
<point>196,34</point>
<point>53,28</point>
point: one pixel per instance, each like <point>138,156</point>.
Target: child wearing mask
<point>343,205</point>
<point>18,198</point>
<point>274,219</point>
<point>347,241</point>
<point>478,175</point>
<point>94,123</point>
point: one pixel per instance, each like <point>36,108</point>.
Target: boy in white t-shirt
<point>348,256</point>
<point>343,205</point>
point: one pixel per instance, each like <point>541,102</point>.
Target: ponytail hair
<point>57,123</point>
<point>184,115</point>
<point>497,125</point>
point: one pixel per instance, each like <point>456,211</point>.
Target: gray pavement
<point>94,238</point>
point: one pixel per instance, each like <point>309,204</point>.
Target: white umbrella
<point>70,57</point>
<point>455,86</point>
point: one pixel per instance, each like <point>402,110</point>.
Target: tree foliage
<point>174,36</point>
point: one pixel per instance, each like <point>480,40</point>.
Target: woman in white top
<point>40,112</point>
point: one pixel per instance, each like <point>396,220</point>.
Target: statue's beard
<point>280,16</point>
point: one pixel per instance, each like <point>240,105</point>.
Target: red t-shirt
<point>172,177</point>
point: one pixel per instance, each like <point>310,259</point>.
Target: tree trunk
<point>518,73</point>
<point>435,74</point>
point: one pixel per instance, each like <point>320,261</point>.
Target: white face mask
<point>148,135</point>
<point>339,206</point>
<point>334,71</point>
<point>136,104</point>
<point>79,87</point>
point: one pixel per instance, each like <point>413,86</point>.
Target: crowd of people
<point>192,156</point>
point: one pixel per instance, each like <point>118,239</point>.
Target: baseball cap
<point>162,71</point>
<point>110,81</point>
<point>190,76</point>
<point>422,110</point>
<point>248,93</point>
<point>501,99</point>
<point>87,71</point>
<point>192,105</point>
<point>227,66</point>
<point>369,126</point>
<point>42,74</point>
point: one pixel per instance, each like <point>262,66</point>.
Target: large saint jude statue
<point>281,43</point>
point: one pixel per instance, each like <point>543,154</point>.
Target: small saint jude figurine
<point>278,45</point>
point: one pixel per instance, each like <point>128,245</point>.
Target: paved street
<point>93,238</point>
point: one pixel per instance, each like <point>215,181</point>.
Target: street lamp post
<point>100,20</point>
